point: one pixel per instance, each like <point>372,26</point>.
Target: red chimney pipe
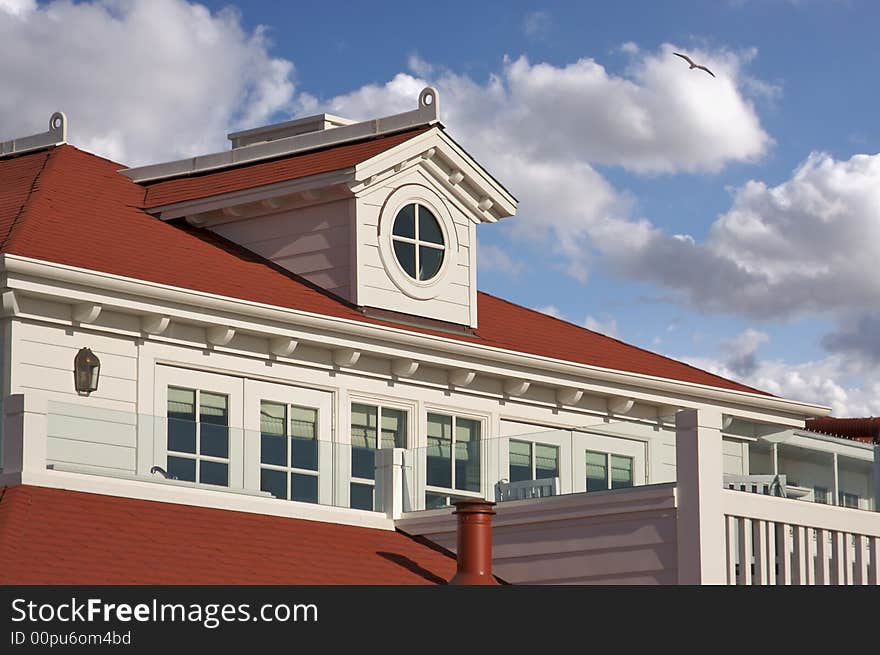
<point>474,543</point>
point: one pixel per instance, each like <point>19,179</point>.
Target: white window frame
<point>423,488</point>
<point>513,429</point>
<point>396,200</point>
<point>345,478</point>
<point>231,387</point>
<point>608,477</point>
<point>597,443</point>
<point>256,391</point>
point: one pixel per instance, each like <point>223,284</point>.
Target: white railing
<point>729,536</point>
<point>777,541</point>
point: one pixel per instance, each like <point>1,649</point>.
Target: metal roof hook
<point>429,100</point>
<point>58,126</point>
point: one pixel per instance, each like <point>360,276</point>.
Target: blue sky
<point>615,150</point>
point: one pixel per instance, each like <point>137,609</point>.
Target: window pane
<point>304,454</point>
<point>273,417</point>
<point>361,496</point>
<point>182,468</point>
<point>405,222</point>
<point>275,482</point>
<point>430,261</point>
<point>621,472</point>
<point>546,461</point>
<point>181,404</point>
<point>520,461</point>
<point>364,420</point>
<point>820,495</point>
<point>304,487</point>
<point>273,449</point>
<point>393,428</point>
<point>597,472</point>
<point>181,436</point>
<point>467,454</point>
<point>182,420</point>
<point>433,501</point>
<point>439,455</point>
<point>213,408</point>
<point>303,422</point>
<point>213,473</point>
<point>363,463</point>
<point>429,227</point>
<point>406,255</point>
<point>273,444</point>
<point>214,440</point>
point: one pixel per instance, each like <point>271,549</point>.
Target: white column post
<point>24,433</point>
<point>389,481</point>
<point>700,521</point>
<point>876,507</point>
<point>836,491</point>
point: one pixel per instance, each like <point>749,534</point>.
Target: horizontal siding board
<point>52,379</point>
<point>60,357</point>
<point>95,454</point>
<point>92,430</point>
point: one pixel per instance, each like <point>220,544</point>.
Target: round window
<point>418,242</point>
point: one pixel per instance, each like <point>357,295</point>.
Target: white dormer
<point>382,213</point>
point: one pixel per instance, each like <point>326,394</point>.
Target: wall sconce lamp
<point>86,369</point>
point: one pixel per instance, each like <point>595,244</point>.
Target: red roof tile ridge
<point>623,343</point>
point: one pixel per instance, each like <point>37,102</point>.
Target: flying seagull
<point>693,65</point>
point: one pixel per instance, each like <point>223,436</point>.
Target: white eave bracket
<point>55,136</point>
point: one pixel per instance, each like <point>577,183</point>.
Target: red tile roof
<point>60,537</point>
<point>82,212</point>
<point>248,176</point>
<point>866,430</point>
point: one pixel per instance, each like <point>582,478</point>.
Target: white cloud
<point>494,258</point>
<point>537,24</point>
<point>829,381</point>
<point>18,7</point>
<point>551,310</point>
<point>140,81</point>
<point>606,325</point>
<point>802,247</point>
<point>742,351</point>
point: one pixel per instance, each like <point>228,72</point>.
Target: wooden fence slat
<point>761,553</point>
<point>731,549</point>
<point>745,551</point>
<point>823,554</point>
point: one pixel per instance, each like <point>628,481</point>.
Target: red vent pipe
<point>474,543</point>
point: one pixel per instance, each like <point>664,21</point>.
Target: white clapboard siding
<point>107,456</point>
<point>314,242</point>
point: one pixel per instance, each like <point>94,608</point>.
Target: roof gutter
<point>21,265</point>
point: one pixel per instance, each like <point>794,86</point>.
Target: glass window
<point>198,436</point>
<point>820,495</point>
<point>453,453</point>
<point>289,451</point>
<point>621,472</point>
<point>372,427</point>
<point>520,461</point>
<point>849,500</point>
<point>532,461</point>
<point>417,239</point>
<point>606,471</point>
<point>597,471</point>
